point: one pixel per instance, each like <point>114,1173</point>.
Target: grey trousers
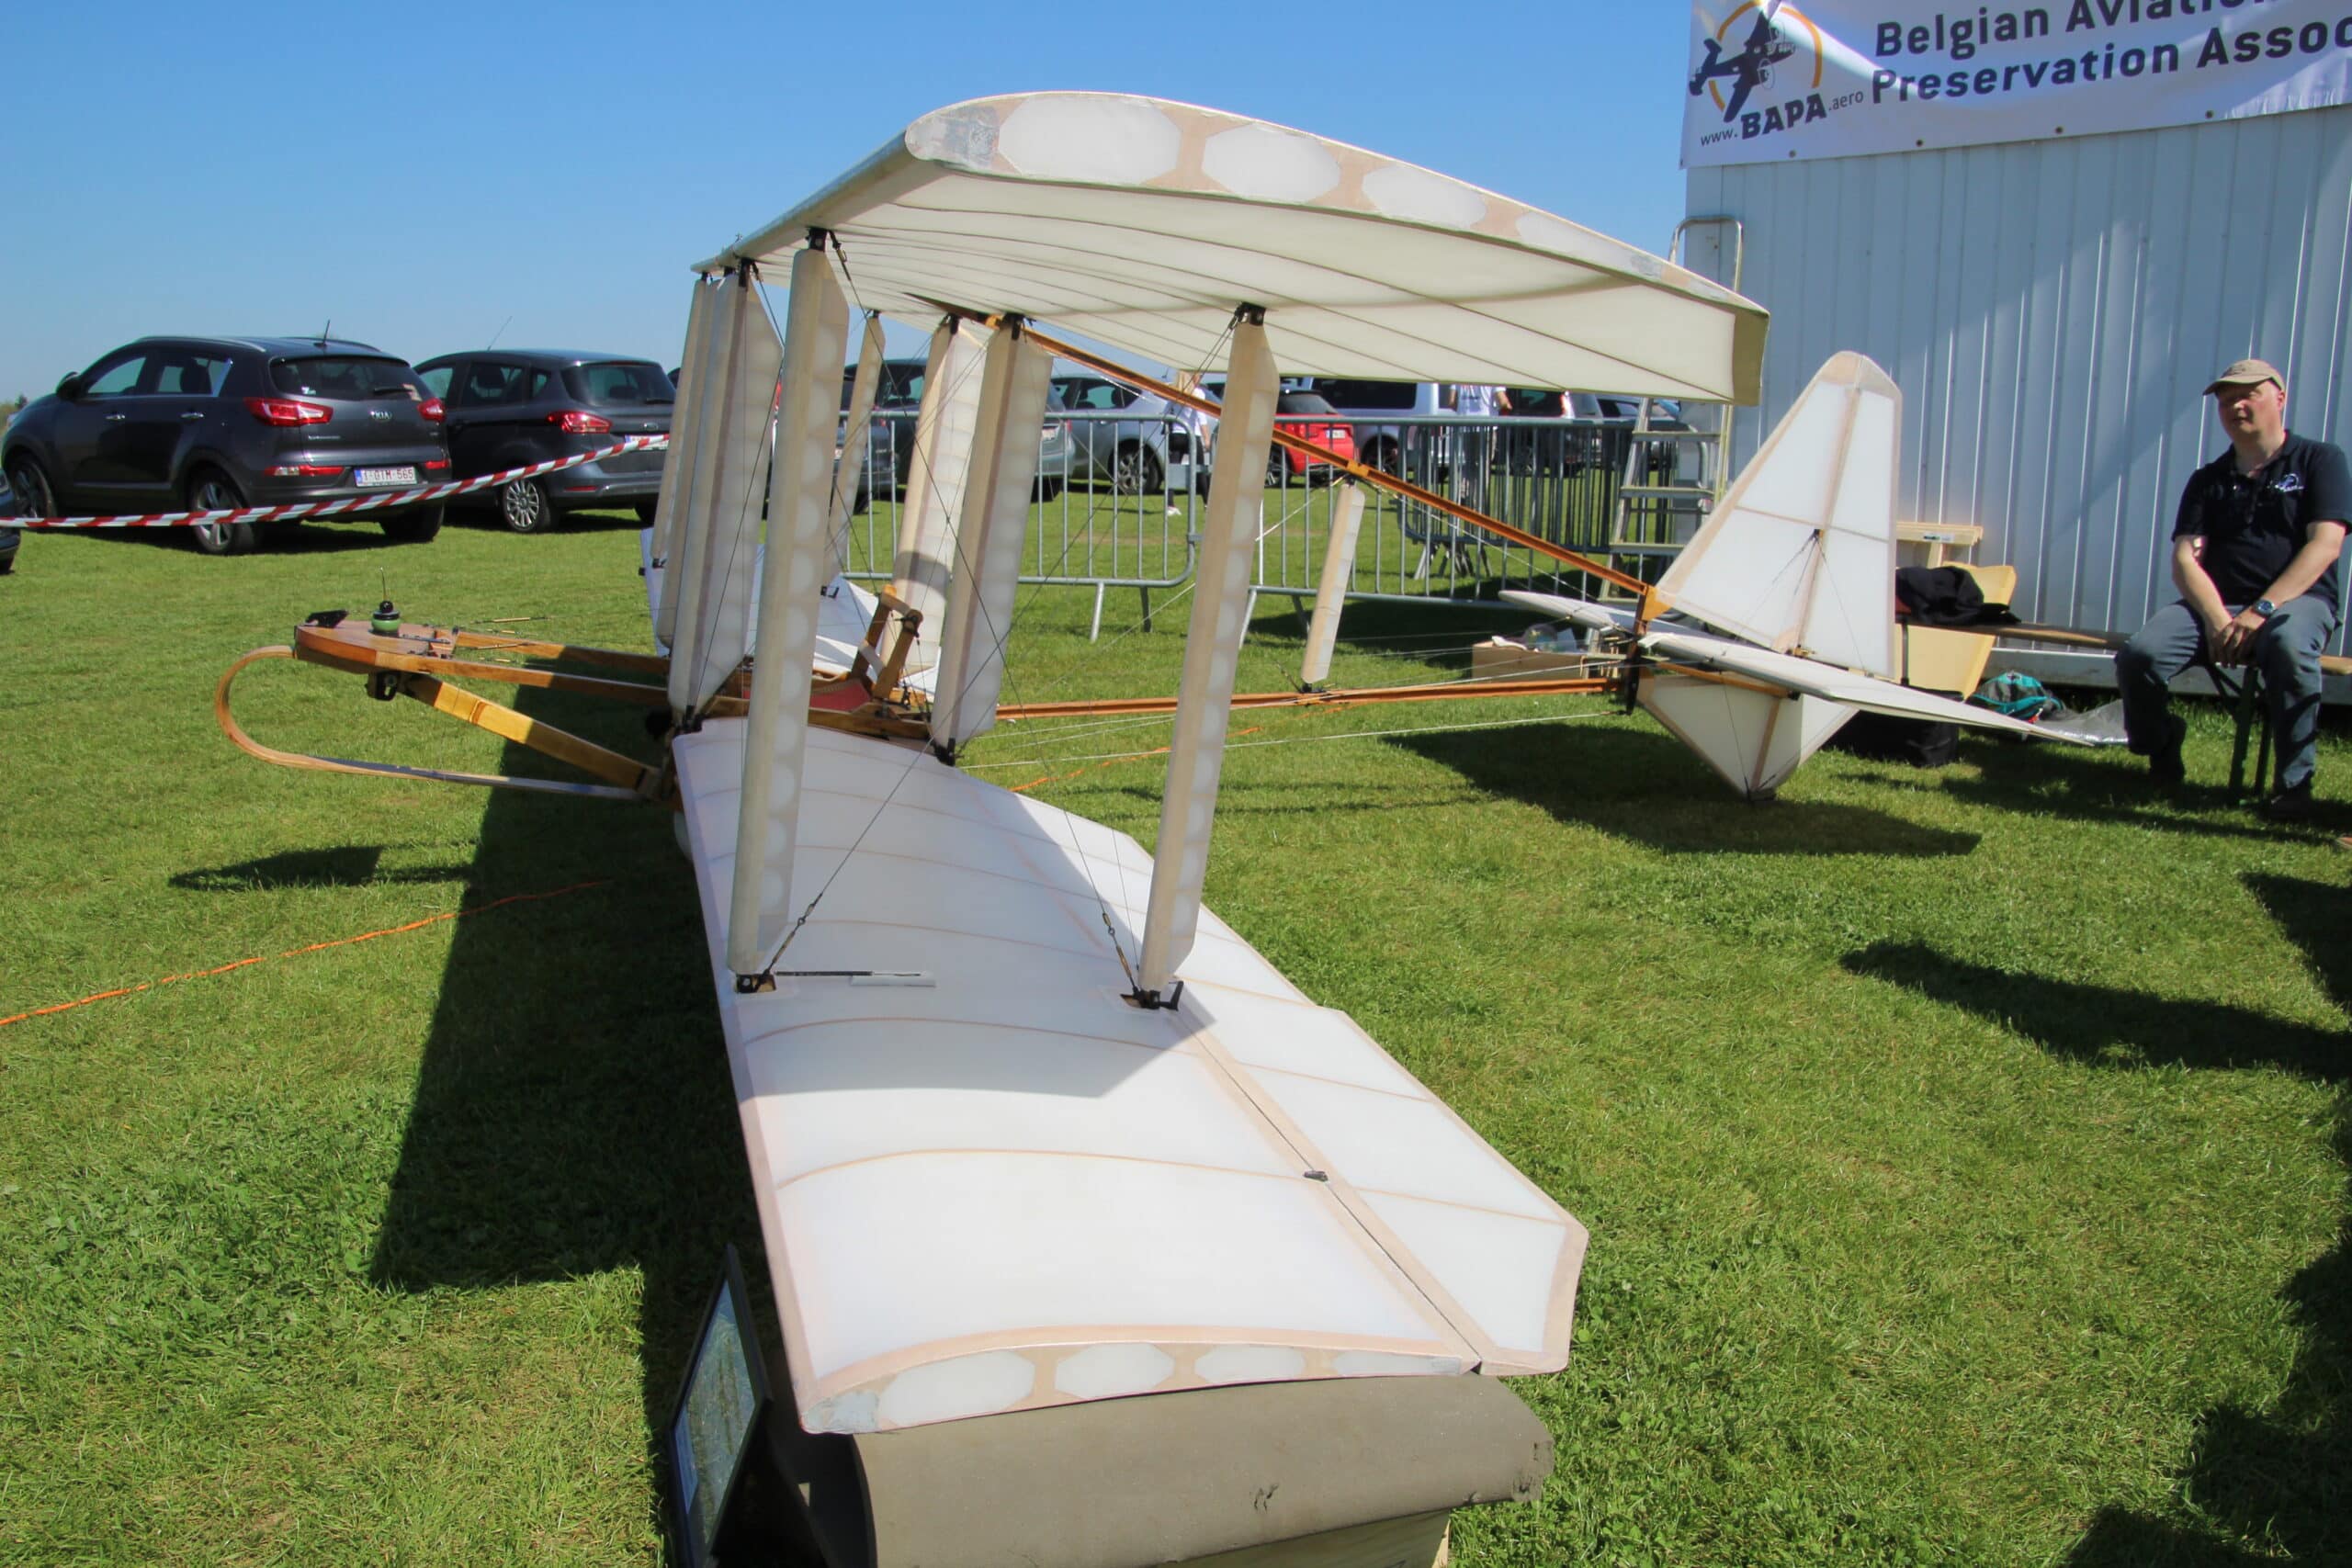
<point>2286,649</point>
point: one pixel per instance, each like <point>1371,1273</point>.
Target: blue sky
<point>418,173</point>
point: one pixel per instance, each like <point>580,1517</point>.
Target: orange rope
<point>1056,778</point>
<point>298,952</point>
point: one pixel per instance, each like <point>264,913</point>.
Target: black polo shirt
<point>2252,525</point>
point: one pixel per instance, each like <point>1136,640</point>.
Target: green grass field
<point>1965,1150</point>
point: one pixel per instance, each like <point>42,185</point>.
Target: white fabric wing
<point>1142,223</point>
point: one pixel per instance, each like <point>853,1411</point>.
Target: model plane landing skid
<point>422,663</point>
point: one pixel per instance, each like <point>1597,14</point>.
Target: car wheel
<point>1134,470</point>
<point>34,498</point>
<point>414,527</point>
<point>1277,467</point>
<point>211,490</point>
<point>525,506</point>
<point>646,511</point>
<point>1386,458</point>
<point>1048,491</point>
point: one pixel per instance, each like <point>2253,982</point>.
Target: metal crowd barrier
<point>1555,479</point>
<point>1118,505</point>
<point>1116,502</point>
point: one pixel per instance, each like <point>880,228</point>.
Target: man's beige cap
<point>2246,373</point>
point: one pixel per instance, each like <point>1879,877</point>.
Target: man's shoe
<point>2164,765</point>
<point>2289,804</point>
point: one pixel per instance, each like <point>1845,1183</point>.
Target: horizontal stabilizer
<point>1579,612</point>
<point>1810,678</point>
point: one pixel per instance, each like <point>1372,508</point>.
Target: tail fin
<point>1799,556</point>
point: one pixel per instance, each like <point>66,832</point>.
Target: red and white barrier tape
<point>350,504</point>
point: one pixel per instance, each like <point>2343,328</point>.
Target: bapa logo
<point>1767,45</point>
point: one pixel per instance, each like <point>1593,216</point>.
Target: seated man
<point>2254,555</point>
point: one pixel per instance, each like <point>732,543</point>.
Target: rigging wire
<point>892,793</point>
<point>999,640</point>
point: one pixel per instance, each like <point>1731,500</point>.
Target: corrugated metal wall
<point>2052,310</point>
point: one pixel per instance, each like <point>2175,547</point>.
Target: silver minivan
<point>1136,442</point>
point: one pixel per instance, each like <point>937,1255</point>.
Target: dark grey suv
<point>9,537</point>
<point>204,424</point>
<point>510,408</point>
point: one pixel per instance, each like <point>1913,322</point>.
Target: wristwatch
<point>2264,608</point>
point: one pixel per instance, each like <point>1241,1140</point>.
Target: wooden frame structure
<point>422,663</point>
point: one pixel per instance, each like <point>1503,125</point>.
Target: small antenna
<point>326,331</point>
<point>501,332</point>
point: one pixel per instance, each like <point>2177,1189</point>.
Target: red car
<point>1305,414</point>
<point>1311,416</point>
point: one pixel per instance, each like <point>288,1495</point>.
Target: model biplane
<point>1093,1239</point>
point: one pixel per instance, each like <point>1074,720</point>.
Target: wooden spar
<point>424,650</point>
<point>1651,604</point>
<point>857,422</point>
<point>1565,685</point>
<point>1331,590</point>
<point>597,762</point>
<point>576,653</point>
<point>418,661</point>
<point>1610,684</point>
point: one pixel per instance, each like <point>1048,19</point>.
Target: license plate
<point>384,475</point>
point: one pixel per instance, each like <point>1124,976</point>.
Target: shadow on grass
<point>2111,786</point>
<point>2107,1023</point>
<point>573,1112</point>
<point>1647,787</point>
<point>327,539</point>
<point>486,519</point>
<point>2259,1486</point>
<point>348,865</point>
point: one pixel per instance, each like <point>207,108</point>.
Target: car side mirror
<point>69,386</point>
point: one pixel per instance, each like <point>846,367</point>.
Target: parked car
<point>210,425</point>
<point>1610,418</point>
<point>9,537</point>
<point>1150,450</point>
<point>1307,414</point>
<point>1383,445</point>
<point>898,400</point>
<point>510,408</point>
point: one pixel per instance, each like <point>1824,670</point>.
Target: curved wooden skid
<point>420,662</point>
<point>303,760</point>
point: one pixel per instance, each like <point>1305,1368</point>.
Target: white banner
<point>1834,78</point>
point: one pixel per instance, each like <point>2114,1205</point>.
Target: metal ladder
<point>1654,520</point>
